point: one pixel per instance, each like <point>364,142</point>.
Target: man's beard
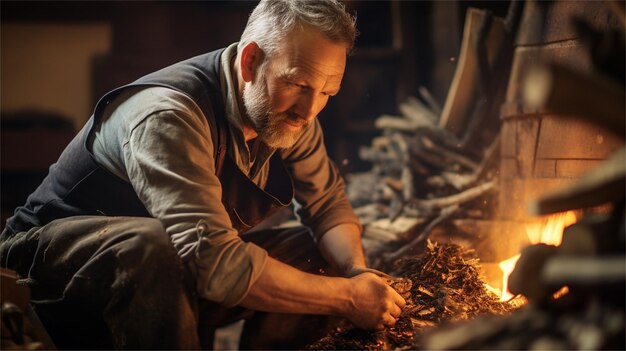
<point>270,126</point>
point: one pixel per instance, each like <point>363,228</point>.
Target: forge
<point>520,180</point>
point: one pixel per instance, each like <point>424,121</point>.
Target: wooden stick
<point>434,105</point>
<point>443,215</point>
<point>397,123</point>
<point>585,270</point>
<point>452,156</point>
<point>416,111</point>
<point>456,199</point>
<point>462,181</point>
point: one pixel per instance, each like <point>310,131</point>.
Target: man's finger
<point>389,320</point>
<point>377,272</point>
<point>399,300</point>
<point>395,311</point>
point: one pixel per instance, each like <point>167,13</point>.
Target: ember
<point>441,284</point>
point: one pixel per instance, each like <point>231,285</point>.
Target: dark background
<point>402,45</point>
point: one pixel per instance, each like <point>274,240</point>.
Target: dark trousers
<point>116,282</point>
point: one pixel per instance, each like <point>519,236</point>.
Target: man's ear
<point>251,59</point>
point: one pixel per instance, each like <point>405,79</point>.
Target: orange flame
<point>549,231</point>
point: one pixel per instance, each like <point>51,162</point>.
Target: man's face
<point>292,87</point>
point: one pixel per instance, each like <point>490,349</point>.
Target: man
<point>139,236</point>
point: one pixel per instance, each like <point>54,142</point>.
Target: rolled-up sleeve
<point>170,163</point>
<point>321,201</point>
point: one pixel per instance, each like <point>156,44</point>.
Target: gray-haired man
<point>142,234</point>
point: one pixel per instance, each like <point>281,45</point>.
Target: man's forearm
<point>364,299</point>
<point>282,288</point>
<point>341,247</point>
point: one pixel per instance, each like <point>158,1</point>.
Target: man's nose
<point>310,105</point>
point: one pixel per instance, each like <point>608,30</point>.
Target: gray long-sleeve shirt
<point>159,140</point>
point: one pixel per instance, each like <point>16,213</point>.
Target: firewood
<point>445,214</point>
<point>432,103</point>
<point>456,199</point>
<point>415,110</point>
<point>380,234</point>
<point>461,181</point>
<point>375,155</point>
<point>397,123</point>
<point>370,212</point>
<point>437,181</point>
<point>464,88</point>
<point>418,168</point>
<point>526,277</point>
<point>458,180</point>
<point>490,156</point>
<point>431,159</point>
<point>551,327</point>
<point>591,271</point>
<point>400,146</point>
<point>396,206</point>
<point>447,155</point>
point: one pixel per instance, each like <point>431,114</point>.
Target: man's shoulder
<point>143,101</point>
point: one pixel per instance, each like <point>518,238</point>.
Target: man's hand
<point>354,271</point>
<point>374,304</point>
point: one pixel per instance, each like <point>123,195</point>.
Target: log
<point>370,212</point>
<point>449,156</point>
<point>456,199</point>
<point>414,110</point>
<point>526,277</point>
<point>589,271</point>
<point>445,214</point>
<point>462,94</point>
<point>432,103</point>
<point>420,152</point>
<point>462,181</point>
<point>406,177</point>
<point>397,123</point>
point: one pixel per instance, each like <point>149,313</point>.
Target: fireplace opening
<point>503,211</point>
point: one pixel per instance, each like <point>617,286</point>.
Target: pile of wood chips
<point>440,285</point>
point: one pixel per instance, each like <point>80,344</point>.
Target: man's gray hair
<point>272,20</point>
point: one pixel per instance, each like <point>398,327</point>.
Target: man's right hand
<point>374,304</point>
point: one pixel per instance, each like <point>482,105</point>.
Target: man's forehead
<point>294,71</point>
<point>307,49</point>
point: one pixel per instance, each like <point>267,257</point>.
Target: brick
<point>575,168</point>
<point>508,168</point>
<point>545,168</point>
<point>516,194</point>
<point>566,138</point>
<point>527,132</point>
<point>508,139</point>
<point>534,189</point>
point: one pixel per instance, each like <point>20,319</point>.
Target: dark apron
<point>247,204</point>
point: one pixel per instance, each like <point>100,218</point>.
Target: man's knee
<point>146,243</point>
<point>149,233</point>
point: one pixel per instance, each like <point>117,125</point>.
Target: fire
<point>547,231</point>
<point>506,267</point>
<point>550,229</point>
